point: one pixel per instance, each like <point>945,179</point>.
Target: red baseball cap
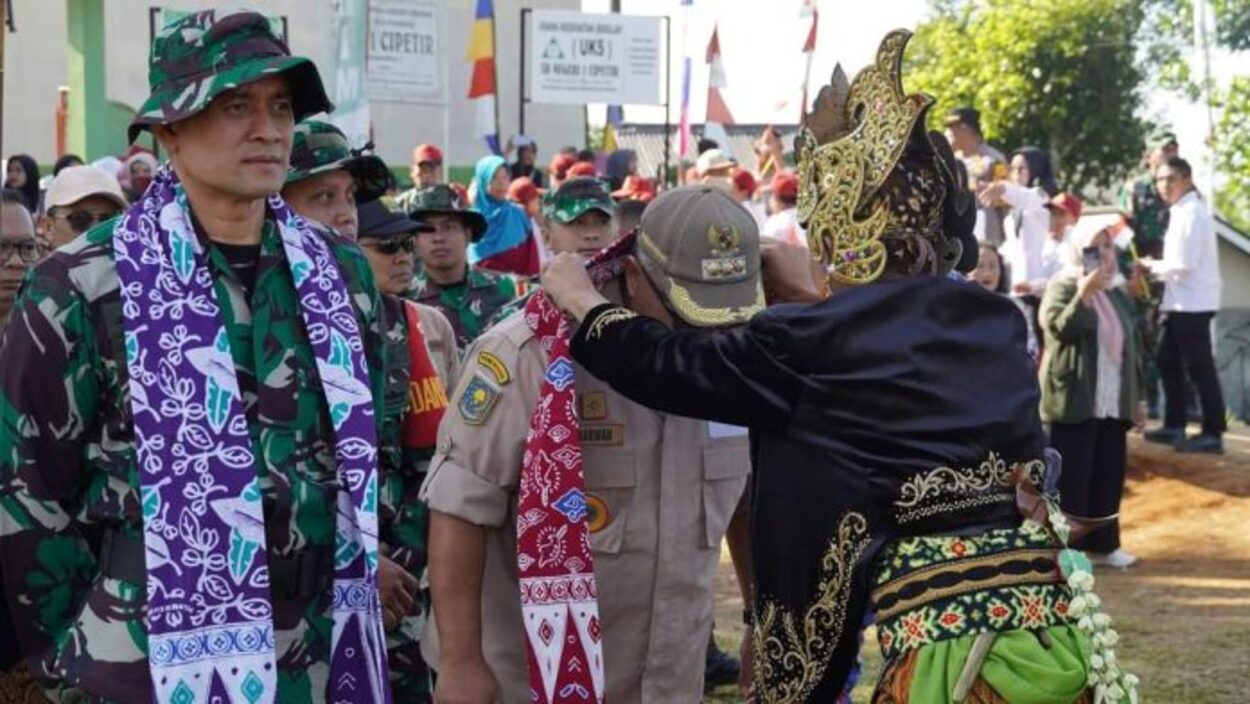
<point>582,168</point>
<point>635,188</point>
<point>522,190</point>
<point>1067,202</point>
<point>786,185</point>
<point>427,153</point>
<point>744,181</point>
<point>560,164</point>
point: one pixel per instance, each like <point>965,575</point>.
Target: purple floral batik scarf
<point>210,617</point>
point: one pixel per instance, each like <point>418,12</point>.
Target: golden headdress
<point>876,192</point>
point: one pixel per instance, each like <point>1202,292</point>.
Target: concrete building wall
<point>1232,330</point>
<point>36,64</point>
<point>1235,273</point>
<point>34,68</point>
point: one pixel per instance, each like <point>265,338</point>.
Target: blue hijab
<point>507,226</point>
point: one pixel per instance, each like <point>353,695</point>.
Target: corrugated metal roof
<point>648,141</point>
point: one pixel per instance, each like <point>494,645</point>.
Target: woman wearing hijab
<point>1030,186</point>
<point>22,174</point>
<point>622,164</point>
<point>136,174</point>
<point>1091,381</point>
<point>509,245</point>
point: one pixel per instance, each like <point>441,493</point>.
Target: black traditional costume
<point>892,425</point>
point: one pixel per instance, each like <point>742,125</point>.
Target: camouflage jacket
<point>68,474</point>
<point>405,517</point>
<point>470,305</point>
<point>1150,214</point>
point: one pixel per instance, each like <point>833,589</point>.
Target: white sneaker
<point>1118,558</point>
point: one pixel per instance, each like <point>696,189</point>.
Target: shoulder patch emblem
<point>478,399</point>
<point>495,366</point>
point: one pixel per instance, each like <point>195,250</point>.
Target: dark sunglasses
<point>82,220</point>
<point>29,251</point>
<point>389,247</point>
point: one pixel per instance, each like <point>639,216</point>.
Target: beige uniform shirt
<point>667,486</point>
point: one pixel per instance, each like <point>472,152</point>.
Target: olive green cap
<point>577,196</point>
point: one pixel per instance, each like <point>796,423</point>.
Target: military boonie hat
<point>319,147</point>
<point>196,58</point>
<point>577,196</point>
<point>442,199</point>
<point>702,251</point>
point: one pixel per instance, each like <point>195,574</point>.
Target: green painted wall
<point>97,127</point>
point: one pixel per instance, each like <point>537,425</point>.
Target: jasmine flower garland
<point>1110,683</point>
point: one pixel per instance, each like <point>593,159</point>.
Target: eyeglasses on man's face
<point>28,251</point>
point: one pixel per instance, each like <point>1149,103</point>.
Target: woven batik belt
<point>934,588</point>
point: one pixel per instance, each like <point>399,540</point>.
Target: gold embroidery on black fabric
<point>608,317</point>
<point>793,650</point>
<point>949,489</point>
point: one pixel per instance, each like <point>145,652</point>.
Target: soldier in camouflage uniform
<point>328,178</point>
<point>226,94</point>
<point>332,184</point>
<point>1148,215</point>
<point>469,297</point>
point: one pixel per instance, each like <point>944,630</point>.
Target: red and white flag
<point>717,111</point>
<point>809,48</point>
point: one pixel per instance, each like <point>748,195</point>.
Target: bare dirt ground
<point>1183,611</point>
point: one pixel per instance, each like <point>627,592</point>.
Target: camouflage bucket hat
<point>197,57</point>
<point>319,147</point>
<point>576,197</point>
<point>444,200</point>
<point>701,249</point>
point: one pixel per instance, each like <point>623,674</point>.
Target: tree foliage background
<point>1062,75</point>
<point>1232,144</point>
<point>1070,76</point>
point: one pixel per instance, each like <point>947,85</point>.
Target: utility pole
<point>1202,32</point>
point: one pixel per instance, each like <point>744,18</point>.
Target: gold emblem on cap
<point>726,241</point>
<point>727,259</point>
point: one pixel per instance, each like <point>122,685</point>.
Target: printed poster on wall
<point>406,56</point>
<point>577,58</point>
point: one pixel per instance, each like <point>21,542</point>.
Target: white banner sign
<point>405,62</point>
<point>576,58</point>
<point>346,32</point>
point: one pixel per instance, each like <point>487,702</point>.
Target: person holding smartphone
<point>1092,381</point>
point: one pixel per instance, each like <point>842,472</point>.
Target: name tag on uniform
<point>603,434</point>
<point>717,431</point>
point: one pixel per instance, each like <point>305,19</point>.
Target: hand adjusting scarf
<point>210,615</point>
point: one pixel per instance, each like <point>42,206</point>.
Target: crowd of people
<point>1110,310</point>
<point>431,512</point>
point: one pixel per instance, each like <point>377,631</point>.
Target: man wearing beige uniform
<point>660,489</point>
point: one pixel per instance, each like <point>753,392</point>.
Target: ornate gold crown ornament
<point>873,186</point>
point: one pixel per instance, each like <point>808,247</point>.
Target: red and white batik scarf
<point>564,639</point>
